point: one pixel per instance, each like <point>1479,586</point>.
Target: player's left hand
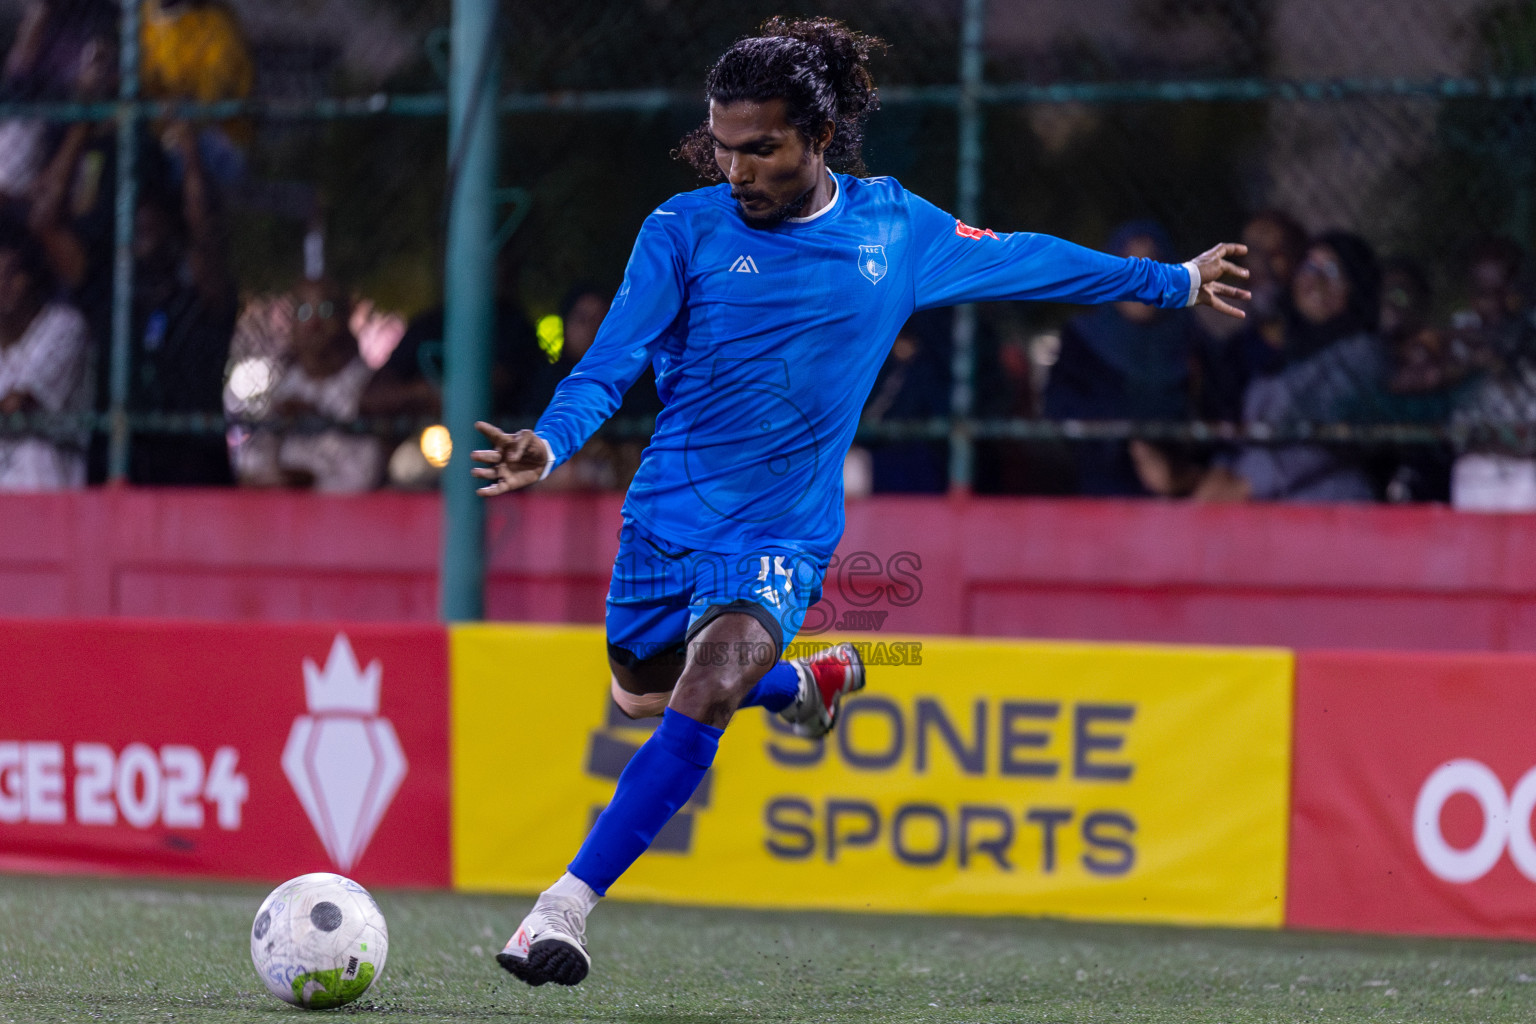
<point>1214,265</point>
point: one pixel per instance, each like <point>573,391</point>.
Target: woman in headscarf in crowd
<point>1335,369</point>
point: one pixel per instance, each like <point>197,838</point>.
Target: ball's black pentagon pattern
<point>325,916</point>
<point>263,922</point>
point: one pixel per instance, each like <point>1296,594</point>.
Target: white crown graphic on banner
<point>344,762</point>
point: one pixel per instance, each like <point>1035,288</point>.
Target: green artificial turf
<point>85,949</point>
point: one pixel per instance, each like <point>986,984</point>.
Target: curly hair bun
<point>846,53</point>
<point>817,66</point>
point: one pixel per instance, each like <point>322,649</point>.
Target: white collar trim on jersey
<point>825,209</point>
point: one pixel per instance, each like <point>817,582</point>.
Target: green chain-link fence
<point>1413,124</point>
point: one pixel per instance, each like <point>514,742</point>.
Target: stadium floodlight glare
<point>551,333</point>
<point>437,445</point>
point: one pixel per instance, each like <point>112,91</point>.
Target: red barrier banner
<point>1412,797</point>
<point>237,751</point>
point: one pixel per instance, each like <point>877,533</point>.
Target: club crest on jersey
<point>872,262</point>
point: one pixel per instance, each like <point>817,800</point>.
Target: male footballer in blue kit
<point>766,305</point>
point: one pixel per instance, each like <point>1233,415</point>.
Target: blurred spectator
<point>913,385</point>
<point>57,46</point>
<point>1337,373</point>
<point>1497,334</point>
<point>1125,361</point>
<point>582,312</point>
<point>1406,306</point>
<point>1421,387</point>
<point>194,50</point>
<point>1276,245</point>
<point>44,351</point>
<point>604,462</point>
<point>52,43</point>
<point>183,317</point>
<point>258,351</point>
<point>324,380</point>
<point>1495,329</point>
<point>183,303</point>
<point>72,211</point>
<point>23,149</point>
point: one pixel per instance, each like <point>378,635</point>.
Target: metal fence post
<point>968,209</point>
<point>125,206</point>
<point>469,298</point>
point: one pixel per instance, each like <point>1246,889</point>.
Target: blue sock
<point>658,780</point>
<point>776,690</point>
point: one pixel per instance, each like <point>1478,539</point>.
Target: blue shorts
<point>662,594</point>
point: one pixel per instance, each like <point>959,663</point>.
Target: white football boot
<point>825,677</point>
<point>550,944</point>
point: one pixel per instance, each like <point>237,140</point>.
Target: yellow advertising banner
<point>1139,783</point>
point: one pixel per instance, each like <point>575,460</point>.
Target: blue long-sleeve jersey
<point>766,342</point>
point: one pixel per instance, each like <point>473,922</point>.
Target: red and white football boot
<point>825,677</point>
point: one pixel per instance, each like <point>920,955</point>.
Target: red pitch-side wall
<point>238,750</point>
<point>1304,576</point>
<point>1414,781</point>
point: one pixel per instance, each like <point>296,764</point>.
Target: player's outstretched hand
<point>1214,265</point>
<point>517,460</point>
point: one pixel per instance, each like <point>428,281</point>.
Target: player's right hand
<point>517,460</point>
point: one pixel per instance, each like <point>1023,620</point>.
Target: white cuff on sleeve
<point>550,465</point>
<point>1194,282</point>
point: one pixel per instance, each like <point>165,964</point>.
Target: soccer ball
<point>319,941</point>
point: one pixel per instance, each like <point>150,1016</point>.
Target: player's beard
<point>777,214</point>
